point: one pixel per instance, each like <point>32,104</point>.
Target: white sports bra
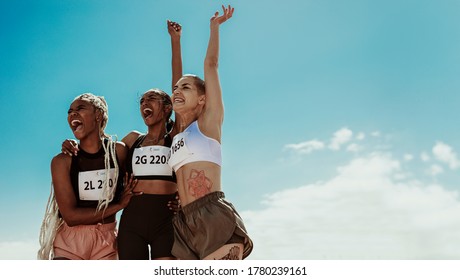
<point>192,145</point>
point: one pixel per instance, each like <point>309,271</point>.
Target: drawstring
<point>101,234</point>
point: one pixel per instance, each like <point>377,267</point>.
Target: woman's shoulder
<point>61,160</point>
<point>131,137</point>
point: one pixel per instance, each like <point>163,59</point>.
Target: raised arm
<point>175,31</point>
<point>214,108</point>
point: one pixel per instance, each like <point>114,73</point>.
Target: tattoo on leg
<point>233,254</point>
<point>199,185</point>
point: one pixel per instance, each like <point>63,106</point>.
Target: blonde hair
<point>52,221</point>
<point>50,225</point>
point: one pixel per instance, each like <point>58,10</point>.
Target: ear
<point>98,116</point>
<point>202,99</point>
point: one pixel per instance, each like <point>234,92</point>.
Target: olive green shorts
<point>205,225</point>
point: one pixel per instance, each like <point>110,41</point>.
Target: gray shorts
<point>205,225</point>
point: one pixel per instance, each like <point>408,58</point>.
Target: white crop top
<point>191,146</point>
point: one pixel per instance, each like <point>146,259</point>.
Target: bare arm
<point>175,31</point>
<point>67,202</point>
<point>213,114</point>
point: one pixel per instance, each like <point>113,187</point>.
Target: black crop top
<point>87,172</point>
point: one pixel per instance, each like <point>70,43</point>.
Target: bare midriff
<point>197,179</point>
<point>155,187</point>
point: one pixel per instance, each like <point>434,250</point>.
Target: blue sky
<point>341,122</point>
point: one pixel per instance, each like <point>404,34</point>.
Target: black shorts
<point>207,224</point>
<point>147,220</point>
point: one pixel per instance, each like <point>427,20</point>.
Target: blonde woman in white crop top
<point>196,149</point>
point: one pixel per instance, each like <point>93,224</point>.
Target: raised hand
<point>227,13</point>
<point>174,28</point>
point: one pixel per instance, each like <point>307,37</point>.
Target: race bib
<point>90,183</point>
<point>151,160</point>
<point>179,150</point>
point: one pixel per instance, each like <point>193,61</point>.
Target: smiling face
<point>187,94</point>
<point>83,119</point>
<point>155,106</point>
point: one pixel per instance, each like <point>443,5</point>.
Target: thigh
<point>162,244</point>
<point>131,246</point>
<point>232,251</point>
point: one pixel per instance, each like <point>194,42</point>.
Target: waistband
<point>195,205</point>
<point>98,226</point>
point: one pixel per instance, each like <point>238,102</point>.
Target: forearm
<point>89,216</point>
<point>176,61</point>
<point>212,53</point>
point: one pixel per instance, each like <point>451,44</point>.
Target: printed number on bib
<point>90,183</point>
<point>151,160</point>
<point>179,148</point>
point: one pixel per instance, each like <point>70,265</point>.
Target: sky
<point>340,138</point>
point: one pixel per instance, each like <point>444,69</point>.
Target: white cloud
<point>445,154</point>
<point>376,133</point>
<point>361,213</point>
<point>424,157</point>
<point>19,250</point>
<point>361,136</point>
<point>408,157</point>
<point>435,170</point>
<point>306,147</point>
<point>340,137</point>
<point>354,147</point>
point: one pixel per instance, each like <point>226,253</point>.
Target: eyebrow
<point>182,85</point>
<point>81,106</point>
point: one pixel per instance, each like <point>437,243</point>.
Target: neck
<point>183,121</point>
<point>154,135</point>
<point>157,131</point>
<point>91,145</point>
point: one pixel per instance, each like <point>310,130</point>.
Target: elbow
<point>71,222</point>
<point>211,62</point>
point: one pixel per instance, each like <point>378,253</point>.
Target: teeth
<point>147,112</point>
<point>75,122</point>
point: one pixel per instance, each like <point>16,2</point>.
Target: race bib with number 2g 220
<point>151,160</point>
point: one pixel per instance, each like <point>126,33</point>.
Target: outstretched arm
<point>214,108</point>
<point>175,31</point>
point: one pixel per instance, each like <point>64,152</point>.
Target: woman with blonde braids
<point>88,189</point>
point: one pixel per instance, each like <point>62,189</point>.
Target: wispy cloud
<point>340,137</point>
<point>446,154</point>
<point>435,170</point>
<point>306,147</point>
<point>360,213</point>
<point>425,157</point>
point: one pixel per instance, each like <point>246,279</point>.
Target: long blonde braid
<point>50,225</point>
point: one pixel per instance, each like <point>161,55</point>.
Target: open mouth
<point>178,100</point>
<point>76,125</point>
<point>147,113</point>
